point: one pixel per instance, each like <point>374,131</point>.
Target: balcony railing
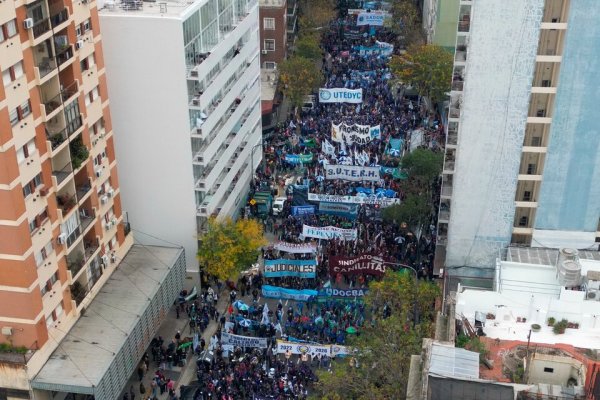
<point>74,236</point>
<point>40,27</point>
<point>46,66</point>
<point>66,202</point>
<point>83,188</point>
<point>59,17</point>
<point>64,55</point>
<point>56,139</point>
<point>52,104</point>
<point>62,173</point>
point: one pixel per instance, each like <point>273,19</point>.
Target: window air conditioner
<point>28,23</point>
<point>264,51</point>
<point>104,260</point>
<point>78,44</point>
<point>194,73</point>
<point>113,221</point>
<point>110,192</point>
<point>104,199</point>
<point>107,225</point>
<point>113,258</point>
<point>196,102</point>
<point>62,238</point>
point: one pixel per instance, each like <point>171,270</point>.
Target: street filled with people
<point>337,163</point>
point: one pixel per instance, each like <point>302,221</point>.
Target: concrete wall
<point>562,369</point>
<point>570,194</point>
<point>446,23</point>
<point>502,50</point>
<point>145,68</point>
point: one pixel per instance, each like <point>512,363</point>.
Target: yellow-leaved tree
<point>229,247</point>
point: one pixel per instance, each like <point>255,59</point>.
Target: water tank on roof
<point>569,269</point>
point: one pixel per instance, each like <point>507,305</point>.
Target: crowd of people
<point>226,371</point>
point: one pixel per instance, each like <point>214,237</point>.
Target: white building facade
<point>186,84</point>
<point>522,145</point>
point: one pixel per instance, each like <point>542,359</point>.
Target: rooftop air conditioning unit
<point>62,238</point>
<point>28,23</point>
<point>78,44</point>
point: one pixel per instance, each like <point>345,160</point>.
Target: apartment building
<point>62,231</point>
<point>522,160</point>
<point>184,79</point>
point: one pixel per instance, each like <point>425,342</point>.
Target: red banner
<point>363,264</point>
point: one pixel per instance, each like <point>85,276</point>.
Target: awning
<point>102,350</point>
<point>266,106</point>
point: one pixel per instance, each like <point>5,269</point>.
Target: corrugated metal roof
<point>453,362</point>
<point>543,256</point>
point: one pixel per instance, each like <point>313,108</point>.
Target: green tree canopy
<point>380,368</point>
<point>315,14</point>
<point>414,209</point>
<point>405,21</point>
<point>299,76</point>
<point>427,68</point>
<point>229,247</point>
<point>307,46</point>
<point>423,164</point>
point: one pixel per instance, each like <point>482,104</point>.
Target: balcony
<point>64,54</point>
<point>59,18</point>
<point>83,189</point>
<point>62,173</point>
<point>40,27</point>
<point>45,66</point>
<point>66,202</point>
<point>77,260</point>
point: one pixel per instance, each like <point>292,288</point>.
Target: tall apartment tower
<point>522,162</point>
<point>184,79</point>
<point>61,225</point>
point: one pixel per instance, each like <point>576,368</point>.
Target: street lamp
<point>252,156</point>
<point>411,268</point>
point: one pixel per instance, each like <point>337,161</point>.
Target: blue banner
<point>340,209</point>
<point>298,268</point>
<point>275,292</point>
<point>303,210</point>
<point>346,293</point>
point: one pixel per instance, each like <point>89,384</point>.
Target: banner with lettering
<point>353,173</point>
<point>343,293</point>
<point>340,95</point>
<point>275,292</point>
<point>297,268</point>
<point>303,210</point>
<point>313,349</point>
<point>364,199</point>
<point>340,209</point>
<point>329,232</point>
<point>370,18</point>
<point>295,248</point>
<point>380,48</point>
<point>243,341</point>
<point>355,133</point>
<point>363,264</point>
<point>298,158</point>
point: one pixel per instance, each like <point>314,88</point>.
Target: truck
<point>264,202</point>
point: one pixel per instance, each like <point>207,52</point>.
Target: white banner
<point>370,18</point>
<point>340,95</point>
<point>353,173</point>
<point>303,348</point>
<point>354,134</point>
<point>295,248</point>
<point>328,232</point>
<point>334,198</point>
<point>328,148</point>
<point>243,341</point>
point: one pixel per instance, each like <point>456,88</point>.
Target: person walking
<point>131,393</point>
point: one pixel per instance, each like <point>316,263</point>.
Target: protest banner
<point>298,158</point>
<point>379,49</point>
<point>303,348</point>
<point>328,232</point>
<point>362,264</point>
<point>353,173</point>
<point>343,210</point>
<point>372,199</point>
<point>340,351</point>
<point>340,95</point>
<point>370,18</point>
<point>303,210</point>
<point>276,292</point>
<point>243,341</point>
<point>333,292</point>
<point>298,268</point>
<point>355,133</point>
<point>295,248</point>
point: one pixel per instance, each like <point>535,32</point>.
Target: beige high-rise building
<point>62,231</point>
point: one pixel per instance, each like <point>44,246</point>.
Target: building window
<point>38,221</point>
<point>91,96</point>
<point>547,369</point>
<point>13,394</point>
<point>87,62</point>
<point>13,73</point>
<point>20,113</point>
<point>8,30</point>
<point>270,65</point>
<point>270,44</point>
<point>32,185</point>
<point>269,23</point>
<point>26,151</point>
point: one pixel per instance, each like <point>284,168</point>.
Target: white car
<point>278,205</point>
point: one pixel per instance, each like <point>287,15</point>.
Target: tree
<point>424,165</point>
<point>415,210</point>
<point>427,68</point>
<point>405,21</point>
<point>315,14</point>
<point>299,77</point>
<point>307,46</point>
<point>228,247</point>
<point>384,347</point>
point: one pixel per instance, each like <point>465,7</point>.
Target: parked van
<point>309,103</point>
<point>278,205</point>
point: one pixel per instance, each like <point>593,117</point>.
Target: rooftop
<point>453,361</point>
<point>271,3</point>
<point>139,8</point>
<point>88,350</point>
<point>542,255</point>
